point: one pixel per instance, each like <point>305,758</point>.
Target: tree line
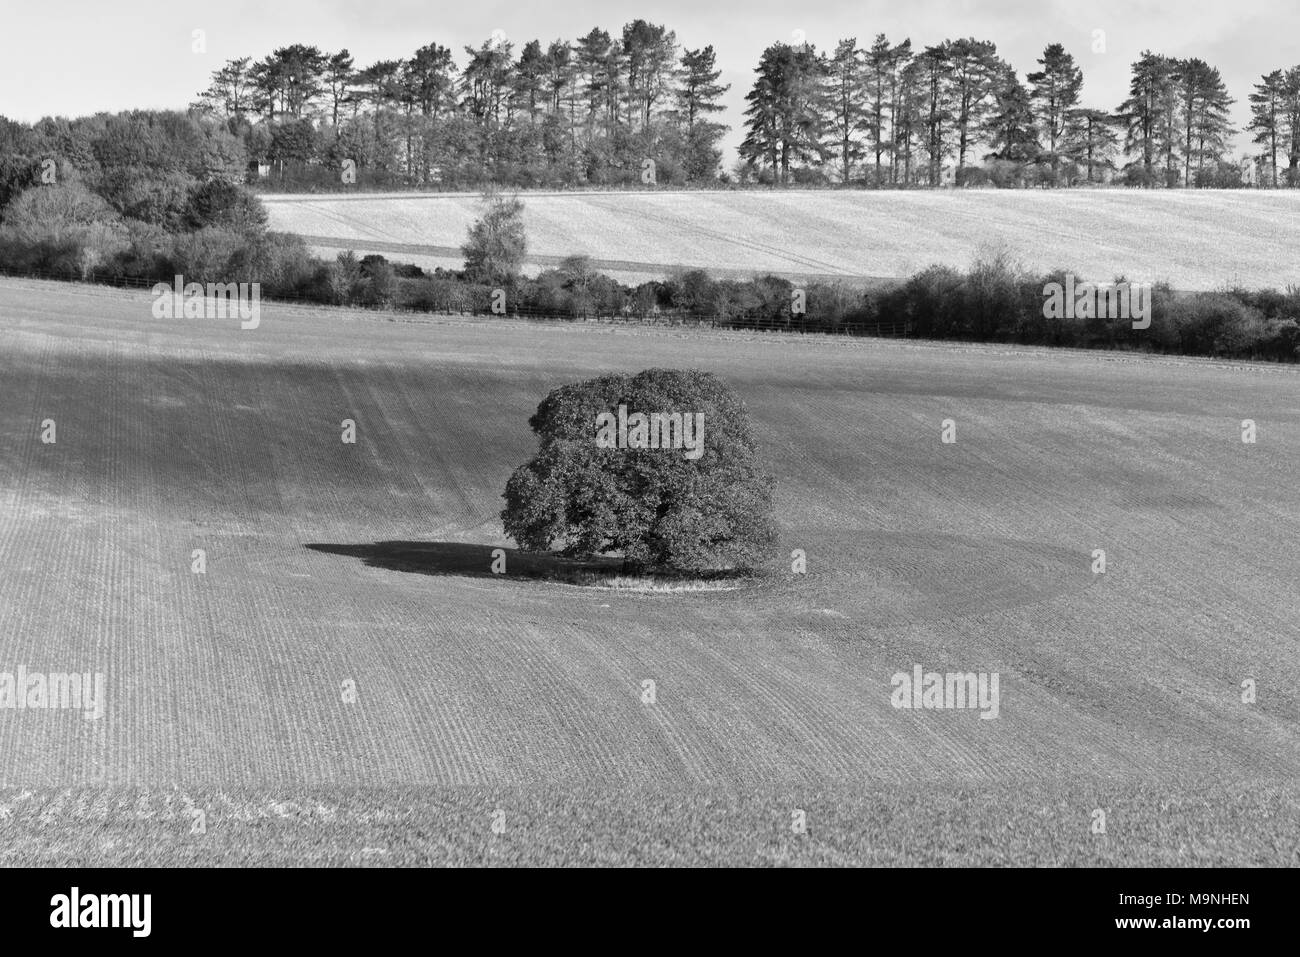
<point>636,108</point>
<point>957,112</point>
<point>590,111</point>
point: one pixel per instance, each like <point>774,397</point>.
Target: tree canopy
<point>602,481</point>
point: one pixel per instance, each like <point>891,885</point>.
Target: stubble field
<point>1193,239</point>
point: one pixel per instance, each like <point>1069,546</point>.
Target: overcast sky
<point>74,57</point>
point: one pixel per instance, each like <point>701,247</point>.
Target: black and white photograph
<point>853,435</point>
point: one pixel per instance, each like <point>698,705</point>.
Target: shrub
<point>830,305</point>
<point>809,176</point>
<point>658,508</point>
<point>17,173</point>
<point>426,294</point>
<point>1164,333</point>
<point>1059,330</point>
<point>1005,174</point>
<point>929,300</point>
<point>62,229</point>
<point>577,272</point>
<point>379,286</point>
<point>142,255</point>
<point>60,258</point>
<point>1281,339</point>
<point>345,278</point>
<point>692,291</point>
<point>56,212</point>
<point>974,176</point>
<point>207,255</point>
<point>994,296</point>
<point>1215,324</point>
<point>221,203</point>
<point>154,196</point>
<point>281,263</point>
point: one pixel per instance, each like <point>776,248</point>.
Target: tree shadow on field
<point>469,560</point>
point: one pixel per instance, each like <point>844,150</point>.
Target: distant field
<point>1195,239</point>
<point>329,563</point>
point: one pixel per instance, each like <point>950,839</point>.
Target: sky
<point>76,57</point>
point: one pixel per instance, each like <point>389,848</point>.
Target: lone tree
<point>660,466</point>
<point>494,249</point>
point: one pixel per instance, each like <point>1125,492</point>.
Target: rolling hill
<point>1194,239</point>
<point>336,570</point>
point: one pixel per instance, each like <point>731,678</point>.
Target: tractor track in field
<point>649,269</point>
<point>781,251</point>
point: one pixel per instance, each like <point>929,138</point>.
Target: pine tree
<point>561,81</point>
<point>932,82</point>
<point>381,86</point>
<point>338,78</point>
<point>1011,127</point>
<point>229,93</point>
<point>1147,113</point>
<point>697,95</point>
<point>903,106</point>
<point>881,77</point>
<point>1055,92</point>
<point>591,59</point>
<point>1091,139</point>
<point>650,53</point>
<point>784,122</point>
<point>528,82</point>
<point>1203,113</point>
<point>1292,94</point>
<point>1267,105</point>
<point>974,70</point>
<point>884,65</point>
<point>845,99</point>
<point>485,95</point>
